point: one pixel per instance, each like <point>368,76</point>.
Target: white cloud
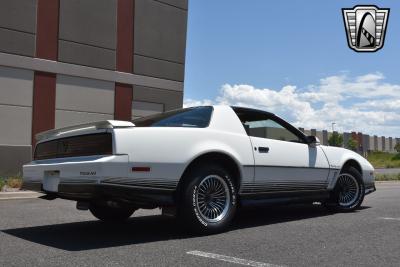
<point>364,103</point>
<point>193,102</point>
<point>371,77</point>
<point>392,104</point>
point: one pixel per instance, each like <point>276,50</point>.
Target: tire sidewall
<point>191,212</point>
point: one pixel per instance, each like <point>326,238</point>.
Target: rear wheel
<point>349,191</point>
<point>111,214</point>
<point>208,200</point>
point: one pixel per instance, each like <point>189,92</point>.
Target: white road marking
<point>390,218</point>
<point>231,259</point>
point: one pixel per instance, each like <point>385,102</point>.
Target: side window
<point>262,124</point>
<point>270,129</point>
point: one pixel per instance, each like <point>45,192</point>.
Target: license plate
<point>51,180</point>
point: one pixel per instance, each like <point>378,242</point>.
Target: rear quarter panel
<point>169,150</point>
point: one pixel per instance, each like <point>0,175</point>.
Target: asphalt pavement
<point>36,232</point>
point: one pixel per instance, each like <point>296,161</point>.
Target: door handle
<point>262,149</point>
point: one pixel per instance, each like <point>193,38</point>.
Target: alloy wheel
<point>212,198</point>
<point>348,189</point>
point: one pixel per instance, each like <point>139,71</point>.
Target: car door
<point>283,160</point>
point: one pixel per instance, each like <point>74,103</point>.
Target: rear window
<point>197,117</point>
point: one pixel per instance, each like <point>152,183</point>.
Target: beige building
<point>65,62</point>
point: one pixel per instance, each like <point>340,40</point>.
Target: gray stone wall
<point>80,100</point>
<point>156,98</point>
<point>85,65</point>
<point>15,106</point>
<point>160,38</point>
<point>12,158</point>
<point>87,32</point>
<point>18,27</point>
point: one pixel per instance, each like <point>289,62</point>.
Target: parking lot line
<point>231,259</point>
<point>390,218</point>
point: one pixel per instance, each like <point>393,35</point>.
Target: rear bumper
<point>141,196</point>
<point>91,178</point>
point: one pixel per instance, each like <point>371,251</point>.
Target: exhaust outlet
<point>82,205</point>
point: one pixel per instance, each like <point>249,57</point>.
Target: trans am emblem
<point>365,27</point>
<point>63,146</point>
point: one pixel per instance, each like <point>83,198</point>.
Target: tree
<point>397,147</point>
<point>352,144</point>
<point>336,139</point>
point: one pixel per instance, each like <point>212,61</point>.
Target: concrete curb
<point>387,182</point>
<point>19,195</point>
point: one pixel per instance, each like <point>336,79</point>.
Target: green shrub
<point>352,144</point>
<point>14,182</point>
<point>336,139</point>
<point>387,177</point>
<point>2,183</point>
<point>397,148</point>
<point>11,182</point>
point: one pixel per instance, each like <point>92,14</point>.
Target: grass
<point>2,183</point>
<point>11,182</point>
<point>384,160</point>
<point>387,177</point>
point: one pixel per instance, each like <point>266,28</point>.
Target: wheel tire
<point>192,209</point>
<point>349,186</point>
<point>111,214</point>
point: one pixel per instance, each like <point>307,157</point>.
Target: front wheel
<point>349,191</point>
<point>208,201</point>
<point>111,214</point>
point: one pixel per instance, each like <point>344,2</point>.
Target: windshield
<point>196,117</point>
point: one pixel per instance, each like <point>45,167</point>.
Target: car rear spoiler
<point>109,124</point>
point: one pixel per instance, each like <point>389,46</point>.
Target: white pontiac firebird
<point>197,163</point>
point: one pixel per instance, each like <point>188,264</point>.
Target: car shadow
<point>87,235</point>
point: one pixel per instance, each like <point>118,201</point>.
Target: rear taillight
<point>75,146</point>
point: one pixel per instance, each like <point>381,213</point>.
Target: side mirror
<point>313,140</point>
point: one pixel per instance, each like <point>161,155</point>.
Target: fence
<point>365,142</point>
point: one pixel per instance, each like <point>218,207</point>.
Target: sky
<point>292,58</point>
